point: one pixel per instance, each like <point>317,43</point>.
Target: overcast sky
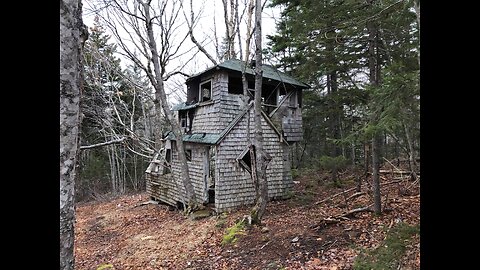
<point>204,31</point>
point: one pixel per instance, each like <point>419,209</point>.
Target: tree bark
<point>377,206</point>
<point>72,36</point>
<point>161,96</point>
<point>374,78</point>
<point>261,157</point>
<point>411,154</point>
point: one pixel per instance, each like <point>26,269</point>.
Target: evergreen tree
<point>328,45</point>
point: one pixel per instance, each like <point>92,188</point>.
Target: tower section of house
<point>217,125</point>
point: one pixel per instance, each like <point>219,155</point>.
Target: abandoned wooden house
<point>218,129</point>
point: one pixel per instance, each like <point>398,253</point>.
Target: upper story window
<point>206,91</point>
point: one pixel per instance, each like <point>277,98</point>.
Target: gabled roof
<point>269,72</point>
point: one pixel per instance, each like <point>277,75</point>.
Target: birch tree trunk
<point>162,98</point>
<point>71,41</point>
<point>416,6</point>
<point>261,157</point>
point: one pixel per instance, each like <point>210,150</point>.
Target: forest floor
<point>123,233</point>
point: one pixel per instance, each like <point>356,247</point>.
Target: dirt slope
<point>128,236</point>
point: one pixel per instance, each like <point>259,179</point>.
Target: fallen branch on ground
<point>338,218</point>
<point>350,189</point>
<point>333,196</point>
<point>355,195</point>
<point>145,203</point>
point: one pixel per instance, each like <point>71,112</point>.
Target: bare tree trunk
<point>353,153</point>
<point>247,53</point>
<point>190,24</point>
<point>72,36</point>
<point>249,29</point>
<point>229,29</point>
<point>416,6</point>
<point>161,96</point>
<point>112,167</point>
<point>377,206</point>
<point>261,157</point>
<point>411,154</point>
<point>374,77</point>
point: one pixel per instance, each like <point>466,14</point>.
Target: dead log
<point>355,195</point>
<point>333,196</point>
<point>145,203</point>
<point>341,217</point>
<point>350,189</point>
<point>355,211</point>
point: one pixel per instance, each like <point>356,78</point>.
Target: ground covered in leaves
<point>123,233</point>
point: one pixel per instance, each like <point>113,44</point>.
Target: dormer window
<point>206,91</point>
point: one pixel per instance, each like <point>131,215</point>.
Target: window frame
<point>243,164</point>
<point>200,91</point>
<point>188,154</point>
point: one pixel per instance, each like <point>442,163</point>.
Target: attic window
<point>206,91</point>
<point>245,159</point>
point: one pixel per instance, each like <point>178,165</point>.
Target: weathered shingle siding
<point>234,186</point>
<point>163,188</point>
<point>170,190</point>
<point>209,118</point>
<point>195,167</point>
<point>292,128</point>
<point>213,118</point>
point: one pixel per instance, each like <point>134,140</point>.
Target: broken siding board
<point>165,191</point>
<point>174,186</point>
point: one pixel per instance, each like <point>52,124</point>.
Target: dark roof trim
<point>183,106</point>
<point>206,138</point>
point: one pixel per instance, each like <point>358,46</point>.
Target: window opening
<point>206,91</point>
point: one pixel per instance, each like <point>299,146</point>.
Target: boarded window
<point>206,91</point>
<point>188,154</point>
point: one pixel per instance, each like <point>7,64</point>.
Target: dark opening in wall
<point>206,91</point>
<point>245,159</point>
<point>188,154</point>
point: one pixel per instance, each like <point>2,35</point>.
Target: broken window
<point>186,119</point>
<point>245,159</point>
<point>188,154</point>
<point>206,91</point>
<point>168,160</point>
<point>293,100</point>
<point>282,92</point>
<point>183,120</point>
<point>235,85</point>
